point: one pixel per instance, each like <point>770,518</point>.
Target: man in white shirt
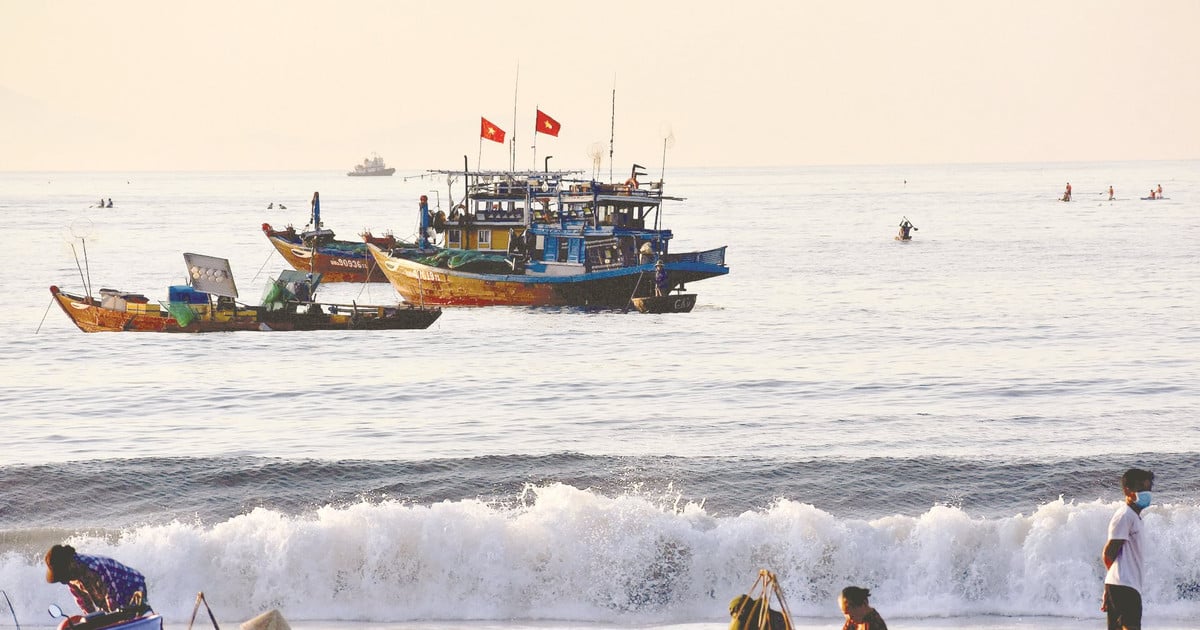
<point>1123,553</point>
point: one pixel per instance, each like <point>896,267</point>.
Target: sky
<point>314,85</point>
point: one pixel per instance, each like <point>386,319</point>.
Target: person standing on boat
<point>99,584</point>
<point>661,287</point>
<point>1123,553</point>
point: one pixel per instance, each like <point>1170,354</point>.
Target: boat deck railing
<point>708,257</point>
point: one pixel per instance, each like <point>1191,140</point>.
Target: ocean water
<point>943,421</point>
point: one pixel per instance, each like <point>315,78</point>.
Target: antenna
<point>596,153</point>
<point>612,129</point>
<point>81,228</point>
<point>668,136</point>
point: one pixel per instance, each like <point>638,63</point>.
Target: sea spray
<point>565,553</point>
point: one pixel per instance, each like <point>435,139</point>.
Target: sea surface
<point>944,421</point>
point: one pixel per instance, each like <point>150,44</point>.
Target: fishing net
<point>182,313</point>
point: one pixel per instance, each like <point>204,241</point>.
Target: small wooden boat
<point>319,251</point>
<point>210,304</point>
<point>677,303</point>
<point>139,617</point>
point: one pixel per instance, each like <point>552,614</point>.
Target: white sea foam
<point>570,554</point>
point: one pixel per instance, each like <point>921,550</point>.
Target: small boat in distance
<point>209,304</point>
<point>372,166</point>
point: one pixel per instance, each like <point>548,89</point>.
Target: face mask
<point>1143,499</point>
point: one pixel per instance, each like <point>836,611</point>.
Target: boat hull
<point>337,261</point>
<point>419,283</point>
<point>677,303</point>
<point>89,316</point>
<point>118,620</point>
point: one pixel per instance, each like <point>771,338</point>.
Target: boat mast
<point>512,143</point>
<point>612,129</point>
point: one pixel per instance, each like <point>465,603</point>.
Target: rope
<point>39,329</point>
<point>264,264</point>
<point>634,294</point>
<point>9,601</point>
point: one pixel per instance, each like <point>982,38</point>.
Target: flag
<point>488,131</point>
<point>547,125</point>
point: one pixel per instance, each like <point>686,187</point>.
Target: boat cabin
<point>552,221</point>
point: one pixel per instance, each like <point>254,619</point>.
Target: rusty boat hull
<point>420,283</point>
<point>336,261</point>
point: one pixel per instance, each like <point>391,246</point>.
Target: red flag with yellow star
<point>488,131</point>
<point>547,125</point>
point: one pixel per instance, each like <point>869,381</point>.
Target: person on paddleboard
<point>906,229</point>
<point>99,584</point>
<point>858,611</point>
<point>1111,194</point>
<point>1159,191</point>
<point>1067,195</point>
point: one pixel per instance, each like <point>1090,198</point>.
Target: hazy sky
<point>302,84</point>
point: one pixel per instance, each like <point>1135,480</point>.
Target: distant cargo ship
<point>371,166</point>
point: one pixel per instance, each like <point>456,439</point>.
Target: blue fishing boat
<point>552,239</point>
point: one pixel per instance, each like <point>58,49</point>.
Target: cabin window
<point>485,238</point>
<point>564,248</point>
<point>454,238</point>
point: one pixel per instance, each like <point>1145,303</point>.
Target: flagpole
<point>479,160</point>
<point>535,135</point>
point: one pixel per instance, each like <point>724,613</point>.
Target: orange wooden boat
<point>210,304</point>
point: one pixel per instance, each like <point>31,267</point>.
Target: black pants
<point>1124,607</point>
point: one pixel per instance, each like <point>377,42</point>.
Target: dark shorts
<point>1124,607</point>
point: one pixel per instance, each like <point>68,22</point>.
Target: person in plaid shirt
<point>99,584</point>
